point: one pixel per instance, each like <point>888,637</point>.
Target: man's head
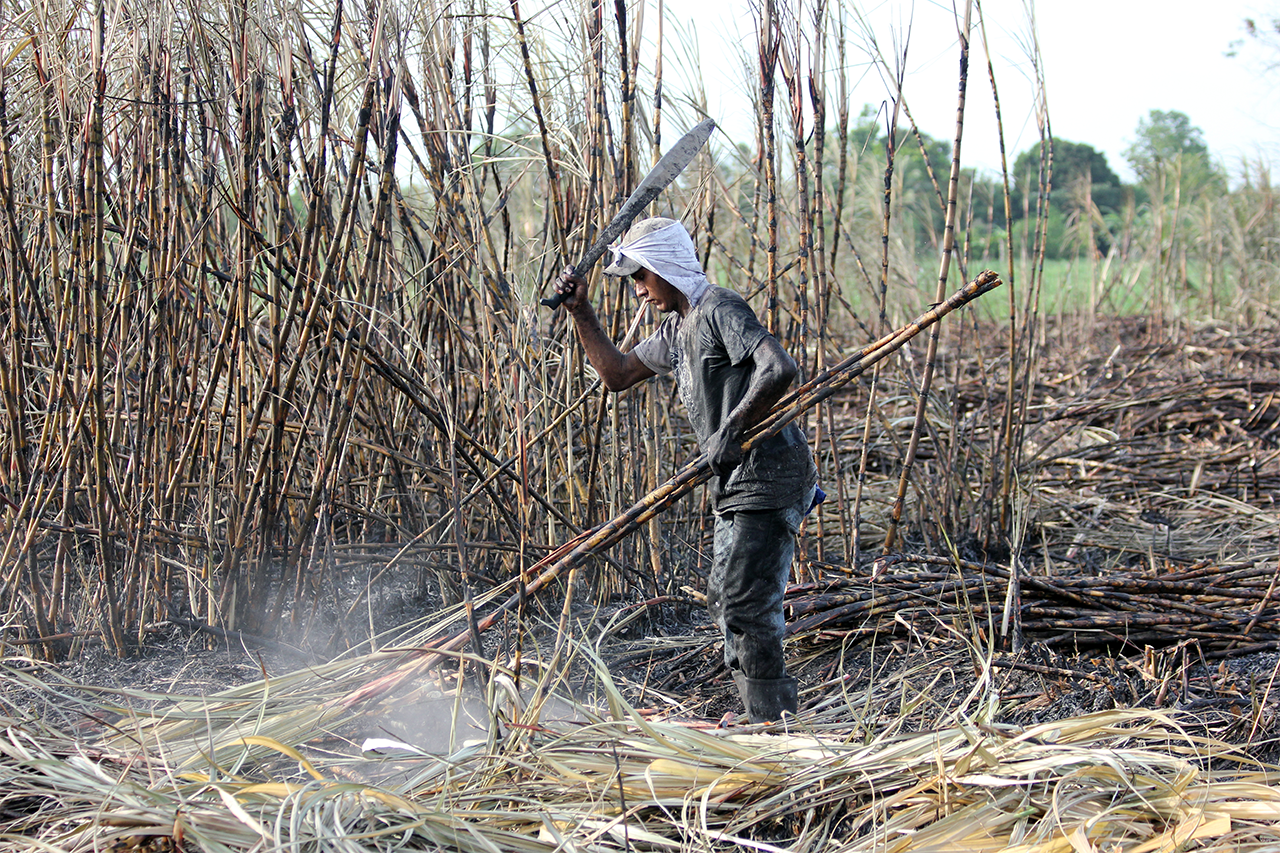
<point>663,247</point>
<point>657,291</point>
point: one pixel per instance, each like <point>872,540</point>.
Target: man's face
<point>655,290</point>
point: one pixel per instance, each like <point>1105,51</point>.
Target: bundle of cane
<point>602,537</point>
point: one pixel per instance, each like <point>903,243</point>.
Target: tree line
<point>1088,203</point>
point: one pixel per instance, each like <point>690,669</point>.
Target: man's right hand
<point>617,371</point>
<point>574,288</point>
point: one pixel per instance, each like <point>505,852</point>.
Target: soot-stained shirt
<point>709,351</point>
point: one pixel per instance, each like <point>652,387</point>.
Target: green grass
<point>1074,286</point>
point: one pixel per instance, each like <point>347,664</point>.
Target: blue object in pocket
<point>818,497</point>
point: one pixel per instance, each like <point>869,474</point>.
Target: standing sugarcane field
<point>497,426</point>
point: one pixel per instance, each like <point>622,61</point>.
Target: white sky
<point>1106,64</point>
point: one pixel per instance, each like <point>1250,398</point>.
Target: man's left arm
<point>773,373</point>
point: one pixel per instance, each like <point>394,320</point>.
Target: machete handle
<point>553,301</point>
<point>580,271</point>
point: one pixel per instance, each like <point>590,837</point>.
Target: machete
<point>658,179</point>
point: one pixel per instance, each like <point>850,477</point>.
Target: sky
<point>1106,64</point>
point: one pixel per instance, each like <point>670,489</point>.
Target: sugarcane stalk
<point>97,275</point>
<point>553,177</point>
<point>886,208</point>
<point>790,62</point>
<point>770,45</point>
<point>822,282</point>
<point>1006,442</point>
<point>948,244</point>
<point>628,97</point>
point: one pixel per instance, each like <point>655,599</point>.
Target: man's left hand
<point>724,450</point>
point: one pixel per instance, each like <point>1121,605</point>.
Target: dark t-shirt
<point>710,352</point>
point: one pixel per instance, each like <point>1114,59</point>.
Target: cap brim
<point>622,266</point>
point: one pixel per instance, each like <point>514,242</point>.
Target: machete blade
<point>659,178</point>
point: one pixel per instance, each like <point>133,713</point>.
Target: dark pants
<point>752,564</point>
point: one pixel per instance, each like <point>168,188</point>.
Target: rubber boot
<point>767,698</point>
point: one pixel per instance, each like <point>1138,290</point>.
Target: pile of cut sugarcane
<point>1226,610</point>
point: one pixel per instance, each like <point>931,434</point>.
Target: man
<point>730,372</point>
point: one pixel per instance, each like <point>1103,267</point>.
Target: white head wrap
<point>665,247</point>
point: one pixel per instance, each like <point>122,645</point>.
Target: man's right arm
<point>618,370</point>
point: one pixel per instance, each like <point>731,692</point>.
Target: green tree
<point>1163,139</point>
<point>1170,155</point>
<point>1084,189</point>
<point>1072,163</point>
